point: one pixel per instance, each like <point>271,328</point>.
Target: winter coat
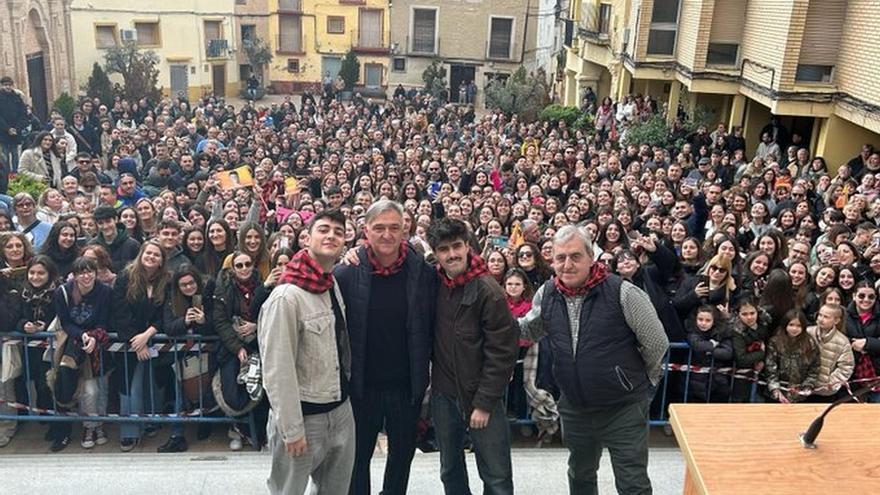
<point>355,282</point>
<point>13,115</point>
<point>710,348</point>
<point>226,306</point>
<point>33,164</point>
<point>36,305</point>
<point>836,361</point>
<point>122,250</point>
<point>750,344</point>
<point>132,318</point>
<point>869,330</point>
<point>793,367</point>
<point>652,279</point>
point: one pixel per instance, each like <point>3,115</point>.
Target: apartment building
<point>36,49</point>
<point>309,38</point>
<point>476,40</point>
<point>251,23</point>
<point>196,40</point>
<point>812,63</point>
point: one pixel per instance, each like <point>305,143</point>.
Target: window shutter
<point>424,27</point>
<point>370,28</point>
<point>499,38</point>
<point>728,21</point>
<point>822,31</point>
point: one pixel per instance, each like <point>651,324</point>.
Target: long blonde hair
<point>721,262</point>
<point>139,279</point>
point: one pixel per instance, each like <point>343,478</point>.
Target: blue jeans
<point>491,446</point>
<point>136,399</point>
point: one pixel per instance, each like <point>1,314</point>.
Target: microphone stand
<point>808,437</point>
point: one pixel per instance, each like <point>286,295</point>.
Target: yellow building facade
<point>812,63</point>
<point>196,40</point>
<point>309,38</point>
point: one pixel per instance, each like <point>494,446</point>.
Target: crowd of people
<point>758,255</point>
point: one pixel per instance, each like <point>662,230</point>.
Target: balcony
<point>421,49</point>
<point>291,44</point>
<point>290,6</point>
<point>595,23</point>
<point>217,48</point>
<point>368,44</point>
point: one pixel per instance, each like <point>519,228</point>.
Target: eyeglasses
<point>242,266</point>
<point>797,195</point>
<point>525,254</point>
<point>83,161</point>
<point>717,269</point>
<point>863,296</point>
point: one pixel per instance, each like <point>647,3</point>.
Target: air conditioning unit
<point>128,35</point>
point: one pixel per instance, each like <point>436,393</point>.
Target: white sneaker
<point>235,444</point>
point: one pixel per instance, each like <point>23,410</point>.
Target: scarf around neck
<point>476,267</point>
<point>598,274</point>
<point>304,272</point>
<point>384,271</point>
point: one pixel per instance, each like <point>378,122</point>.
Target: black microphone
<point>808,438</point>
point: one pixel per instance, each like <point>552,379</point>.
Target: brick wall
<point>688,31</point>
<point>858,66</point>
<point>771,37</point>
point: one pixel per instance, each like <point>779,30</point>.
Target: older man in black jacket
<point>608,345</point>
<point>389,301</point>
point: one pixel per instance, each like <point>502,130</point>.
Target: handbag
<point>191,371</point>
<point>11,361</point>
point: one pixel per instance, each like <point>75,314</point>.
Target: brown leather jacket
<point>484,343</point>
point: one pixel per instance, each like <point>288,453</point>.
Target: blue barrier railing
<point>676,386</point>
<point>35,345</point>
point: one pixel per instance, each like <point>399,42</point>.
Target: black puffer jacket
<point>131,318</point>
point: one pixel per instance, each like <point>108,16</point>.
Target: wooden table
<point>753,449</point>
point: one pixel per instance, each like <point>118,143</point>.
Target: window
<point>335,24</point>
<point>664,27</point>
<point>105,36</point>
<point>290,37</point>
<point>213,31</point>
<point>424,29</point>
<point>398,64</point>
<point>500,36</point>
<point>248,32</point>
<point>814,73</point>
<point>604,18</point>
<point>370,29</point>
<point>292,65</point>
<point>147,33</point>
<point>290,5</point>
<point>722,54</point>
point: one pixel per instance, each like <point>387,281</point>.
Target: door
<point>458,75</point>
<point>219,79</point>
<point>373,73</point>
<point>331,65</point>
<point>179,80</point>
<point>36,73</point>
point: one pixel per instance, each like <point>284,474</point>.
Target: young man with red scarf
<point>475,350</point>
<point>389,293</point>
<point>607,344</point>
<point>306,368</point>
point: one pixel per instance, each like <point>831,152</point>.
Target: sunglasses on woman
<point>242,266</point>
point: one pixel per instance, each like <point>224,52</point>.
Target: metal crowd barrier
<point>180,347</point>
<point>674,386</point>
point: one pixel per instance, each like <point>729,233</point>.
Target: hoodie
<point>122,250</point>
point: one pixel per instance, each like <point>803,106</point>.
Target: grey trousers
<point>623,430</point>
<point>329,457</point>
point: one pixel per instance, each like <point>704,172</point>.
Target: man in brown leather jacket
<point>475,349</point>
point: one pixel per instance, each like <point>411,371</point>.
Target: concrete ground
<point>536,471</point>
<point>27,466</point>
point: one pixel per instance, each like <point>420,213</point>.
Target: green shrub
<point>556,112</point>
<point>350,70</point>
<point>23,183</point>
<point>65,104</point>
